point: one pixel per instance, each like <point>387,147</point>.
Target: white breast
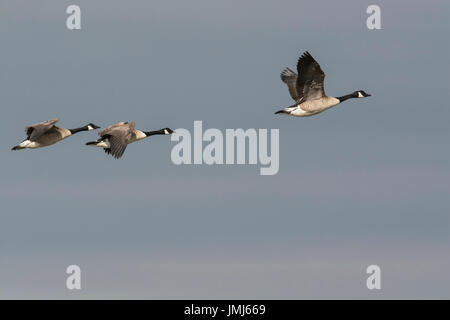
<point>138,135</point>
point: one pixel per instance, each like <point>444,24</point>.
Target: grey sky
<point>365,183</point>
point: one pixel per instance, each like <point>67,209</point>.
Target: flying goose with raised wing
<point>46,133</point>
<point>115,138</point>
<point>307,89</point>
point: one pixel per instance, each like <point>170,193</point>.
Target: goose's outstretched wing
<point>290,78</point>
<point>105,131</point>
<point>310,78</point>
<point>37,130</point>
<point>119,136</point>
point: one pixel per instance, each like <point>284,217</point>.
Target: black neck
<point>152,133</point>
<point>73,131</point>
<point>346,97</point>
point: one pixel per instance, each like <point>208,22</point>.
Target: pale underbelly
<point>312,107</point>
<point>298,112</point>
<point>38,143</point>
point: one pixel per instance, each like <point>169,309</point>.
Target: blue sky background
<point>367,182</point>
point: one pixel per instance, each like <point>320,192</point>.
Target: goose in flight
<point>116,137</point>
<point>306,88</point>
<point>46,133</point>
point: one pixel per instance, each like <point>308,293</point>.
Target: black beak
<point>94,126</point>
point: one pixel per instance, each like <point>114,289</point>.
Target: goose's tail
<point>101,143</point>
<point>287,110</point>
<point>24,144</point>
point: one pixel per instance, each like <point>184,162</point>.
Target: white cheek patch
<point>360,95</point>
<point>90,128</point>
<point>166,132</point>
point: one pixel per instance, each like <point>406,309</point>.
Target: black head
<point>167,131</point>
<point>361,94</point>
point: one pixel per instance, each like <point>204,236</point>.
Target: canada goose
<point>116,137</point>
<point>307,90</point>
<point>46,133</point>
